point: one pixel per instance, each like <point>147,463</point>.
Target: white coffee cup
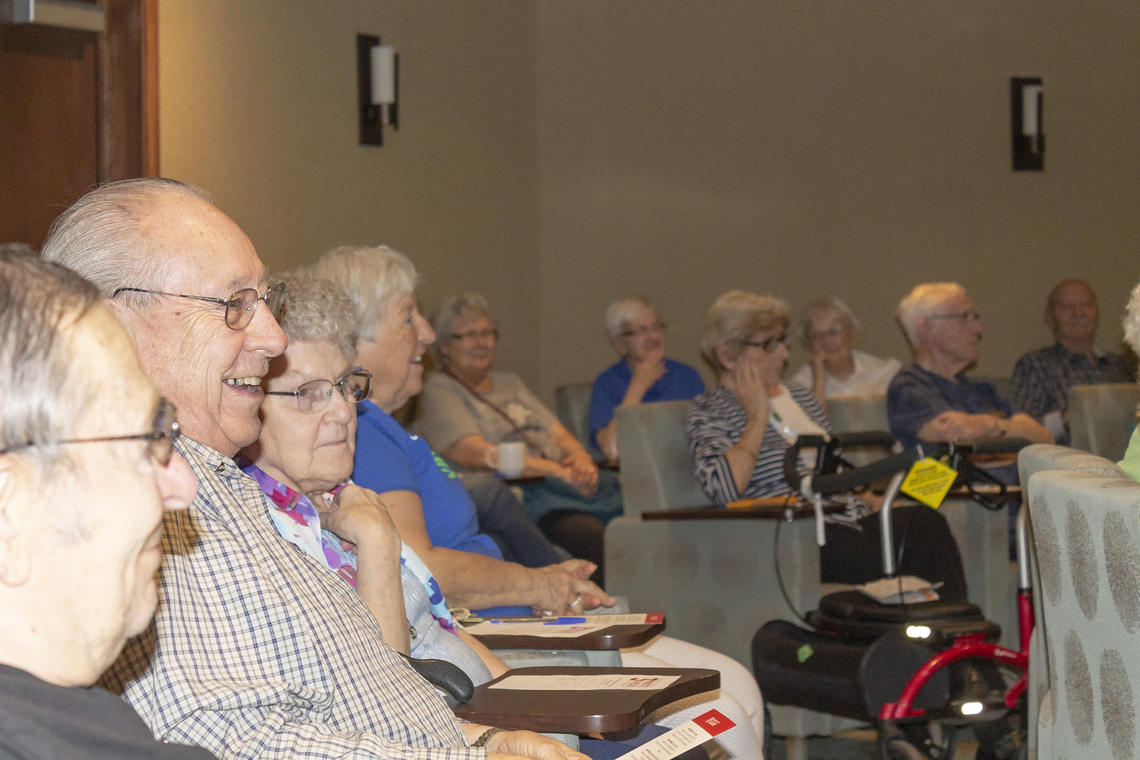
<point>507,458</point>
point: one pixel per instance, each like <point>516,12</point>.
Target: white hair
<point>623,311</point>
<point>922,302</point>
<point>372,277</point>
<point>734,318</point>
<point>822,307</point>
<point>102,236</point>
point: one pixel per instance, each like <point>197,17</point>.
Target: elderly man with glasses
<point>86,472</point>
<point>933,399</point>
<point>254,653</point>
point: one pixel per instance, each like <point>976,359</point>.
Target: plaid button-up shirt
<point>1041,378</point>
<point>258,652</point>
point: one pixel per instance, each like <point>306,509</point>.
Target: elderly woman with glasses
<point>302,462</point>
<point>738,431</point>
<point>643,374</point>
<point>828,330</point>
<point>467,409</point>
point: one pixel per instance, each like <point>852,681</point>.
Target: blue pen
<point>565,621</point>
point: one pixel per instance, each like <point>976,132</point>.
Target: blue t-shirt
<point>680,382</point>
<point>916,396</point>
<point>389,458</point>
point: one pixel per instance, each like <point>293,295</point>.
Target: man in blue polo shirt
<point>642,375</point>
<point>933,399</point>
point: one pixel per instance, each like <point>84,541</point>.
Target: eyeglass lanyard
<point>518,430</point>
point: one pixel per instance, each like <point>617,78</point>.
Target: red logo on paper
<point>653,618</point>
<point>713,722</point>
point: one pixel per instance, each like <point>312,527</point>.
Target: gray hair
<point>923,301</point>
<point>822,307</point>
<point>623,311</point>
<point>102,235</point>
<point>734,318</point>
<point>318,311</point>
<point>1132,320</point>
<point>373,277</point>
<point>44,394</point>
<point>454,309</point>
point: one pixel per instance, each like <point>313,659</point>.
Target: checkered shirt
<point>1041,379</point>
<point>259,652</point>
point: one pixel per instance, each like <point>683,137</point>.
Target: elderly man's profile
<point>86,471</point>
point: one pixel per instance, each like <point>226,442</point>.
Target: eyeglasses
<point>491,333</point>
<point>240,306</point>
<point>162,437</point>
<point>769,345</point>
<point>637,332</point>
<point>960,316</point>
<point>831,332</point>
<point>314,396</point>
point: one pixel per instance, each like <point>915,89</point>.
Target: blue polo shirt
<point>680,382</point>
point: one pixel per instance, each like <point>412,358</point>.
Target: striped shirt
<point>257,651</point>
<point>716,421</point>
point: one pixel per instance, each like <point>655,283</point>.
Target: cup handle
<point>487,457</point>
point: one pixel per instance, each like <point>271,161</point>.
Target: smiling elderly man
<point>86,469</point>
<point>933,399</point>
<point>1041,378</point>
<point>254,652</point>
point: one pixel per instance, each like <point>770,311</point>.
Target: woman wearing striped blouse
<point>738,431</point>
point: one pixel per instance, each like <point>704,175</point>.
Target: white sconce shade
<point>383,75</point>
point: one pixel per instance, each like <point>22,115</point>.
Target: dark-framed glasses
<point>769,345</point>
<point>470,335</point>
<point>240,306</point>
<point>314,396</point>
<point>959,316</point>
<point>637,332</point>
<point>160,439</point>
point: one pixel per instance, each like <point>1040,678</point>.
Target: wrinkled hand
<point>359,516</point>
<point>517,745</point>
<point>583,472</point>
<point>648,369</point>
<point>566,588</point>
<point>751,390</point>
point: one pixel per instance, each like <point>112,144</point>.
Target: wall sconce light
<point>1027,106</point>
<point>377,77</point>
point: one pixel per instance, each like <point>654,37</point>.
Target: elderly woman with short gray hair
<point>738,431</point>
<point>642,375</point>
<point>835,368</point>
<point>467,410</point>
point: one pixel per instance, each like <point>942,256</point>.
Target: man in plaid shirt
<point>1041,378</point>
<point>256,651</point>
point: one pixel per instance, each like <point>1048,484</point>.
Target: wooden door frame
<point>128,90</point>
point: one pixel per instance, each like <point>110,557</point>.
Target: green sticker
<point>804,652</point>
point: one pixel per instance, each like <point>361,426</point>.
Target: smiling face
<point>101,516</point>
<point>307,451</point>
<point>395,355</point>
<point>472,354</point>
<point>831,336</point>
<point>210,372</point>
<point>1072,315</point>
<point>643,337</point>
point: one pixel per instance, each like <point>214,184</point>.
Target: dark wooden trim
<point>128,92</point>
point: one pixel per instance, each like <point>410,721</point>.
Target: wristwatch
<point>486,737</point>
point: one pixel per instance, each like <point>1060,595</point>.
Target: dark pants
<point>503,517</point>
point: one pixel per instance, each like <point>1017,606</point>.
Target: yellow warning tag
<point>928,481</point>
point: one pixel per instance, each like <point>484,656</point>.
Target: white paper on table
<point>684,737</point>
<point>610,681</point>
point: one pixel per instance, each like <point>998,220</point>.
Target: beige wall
<point>556,154</point>
<point>258,106</point>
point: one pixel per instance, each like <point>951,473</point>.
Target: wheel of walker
<point>919,741</point>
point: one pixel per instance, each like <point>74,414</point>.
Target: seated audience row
<point>255,651</point>
<point>302,462</point>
